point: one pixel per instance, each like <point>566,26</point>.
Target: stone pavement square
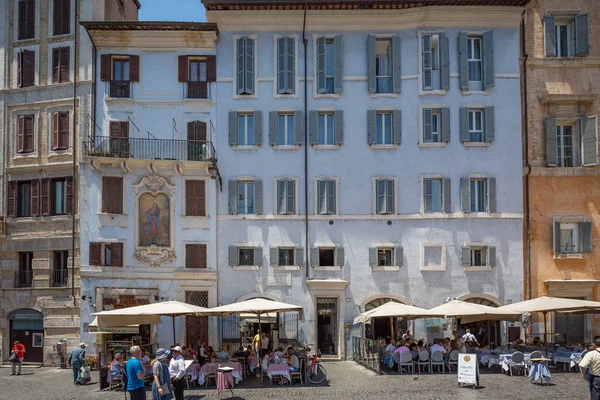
<point>346,380</point>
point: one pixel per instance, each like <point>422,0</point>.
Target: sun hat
<point>177,348</point>
<point>162,353</point>
<point>82,344</point>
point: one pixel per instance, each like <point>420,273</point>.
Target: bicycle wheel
<point>315,374</point>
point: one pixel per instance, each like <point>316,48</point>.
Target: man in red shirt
<point>19,349</point>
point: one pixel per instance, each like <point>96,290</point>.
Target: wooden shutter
<point>63,130</point>
<point>551,156</point>
<point>338,64</point>
<point>339,257</point>
<point>46,198</point>
<point>338,133</point>
<point>35,198</point>
<point>55,130</point>
<point>556,236</point>
<point>281,66</point>
<point>447,195</point>
<point>240,67</point>
<point>491,256</point>
<point>589,140</point>
<point>258,256</point>
<point>56,65</point>
<point>211,68</point>
<point>95,256</point>
<point>331,197</point>
<point>445,123</point>
<point>116,256</point>
<point>397,127</point>
<point>585,232</point>
<point>273,128</point>
<point>29,133</point>
<point>21,134</point>
<point>26,19</point>
<point>314,256</point>
<point>582,36</point>
<point>464,124</point>
<point>444,62</point>
<point>371,127</point>
<point>107,194</point>
<point>258,128</point>
<point>313,120</point>
<point>396,65</point>
<point>233,255</point>
<point>290,67</point>
<point>299,256</point>
<point>65,63</point>
<point>465,194</point>
<point>233,128</point>
<point>258,197</point>
<point>70,183</point>
<point>291,196</point>
<point>427,125</point>
<point>426,62</point>
<point>105,67</point>
<point>399,256</point>
<point>372,63</point>
<point>274,256</point>
<point>249,66</point>
<point>463,60</point>
<point>134,68</point>
<point>466,257</point>
<point>195,198</point>
<point>26,68</point>
<point>298,128</point>
<point>183,68</point>
<point>233,197</point>
<point>549,38</point>
<point>373,258</point>
<point>61,17</point>
<point>321,79</point>
<point>488,59</point>
<point>490,124</point>
<point>195,256</point>
<point>491,195</point>
<point>12,199</point>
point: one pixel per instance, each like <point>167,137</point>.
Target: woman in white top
<point>293,361</point>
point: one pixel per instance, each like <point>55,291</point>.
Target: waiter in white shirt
<point>177,372</point>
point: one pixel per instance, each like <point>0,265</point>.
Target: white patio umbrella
<point>394,309</point>
<point>472,312</point>
<point>147,314</point>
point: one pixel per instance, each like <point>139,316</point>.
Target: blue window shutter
<point>397,127</point>
<point>427,194</point>
<point>274,256</point>
<point>380,196</point>
<point>390,199</point>
<point>281,66</point>
<point>371,64</point>
<point>281,196</point>
<point>551,156</point>
<point>338,64</point>
<point>291,196</point>
<point>338,117</point>
<point>488,59</point>
<point>339,257</point>
<point>290,70</point>
<point>313,120</point>
<point>399,256</point>
<point>585,232</point>
<point>233,128</point>
<point>299,256</point>
<point>447,195</point>
<point>445,62</point>
<point>396,68</point>
<point>273,128</point>
<point>426,62</point>
<point>258,197</point>
<point>582,36</point>
<point>314,256</point>
<point>258,256</point>
<point>465,194</point>
<point>331,197</point>
<point>427,125</point>
<point>249,67</point>
<point>233,197</point>
<point>373,259</point>
<point>322,197</point>
<point>321,85</point>
<point>372,127</point>
<point>466,257</point>
<point>298,128</point>
<point>464,124</point>
<point>549,38</point>
<point>241,66</point>
<point>491,256</point>
<point>233,255</point>
<point>491,195</point>
<point>445,124</point>
<point>258,128</point>
<point>490,128</point>
<point>556,232</point>
<point>463,60</point>
<point>589,140</point>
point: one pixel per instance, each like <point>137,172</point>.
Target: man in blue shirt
<point>76,361</point>
<point>135,375</point>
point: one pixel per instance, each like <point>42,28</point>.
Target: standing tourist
<point>135,375</point>
<point>177,372</point>
<point>592,361</point>
<point>256,343</point>
<point>76,361</point>
<point>161,386</point>
<point>264,344</point>
<point>19,350</point>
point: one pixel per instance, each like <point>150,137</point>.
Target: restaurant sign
<point>25,314</point>
<point>135,330</point>
<point>468,369</point>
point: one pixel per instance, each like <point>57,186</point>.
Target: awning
<point>269,318</point>
<point>129,329</point>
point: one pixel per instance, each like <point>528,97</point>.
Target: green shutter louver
<point>313,128</point>
<point>258,197</point>
<point>371,64</point>
<point>397,127</point>
<point>372,127</point>
<point>396,65</point>
<point>463,60</point>
<point>589,141</point>
<point>274,256</point>
<point>233,256</point>
<point>464,124</point>
<point>427,125</point>
<point>585,232</point>
<point>466,256</point>
<point>338,133</point>
<point>426,62</point>
<point>258,128</point>
<point>490,129</point>
<point>582,35</point>
<point>373,259</point>
<point>338,64</point>
<point>321,78</point>
<point>491,256</point>
<point>465,194</point>
<point>551,154</point>
<point>488,60</point>
<point>273,128</point>
<point>445,123</point>
<point>447,195</point>
<point>233,128</point>
<point>549,38</point>
<point>444,62</point>
<point>298,128</point>
<point>491,195</point>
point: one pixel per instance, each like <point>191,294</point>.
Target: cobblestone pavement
<point>347,380</point>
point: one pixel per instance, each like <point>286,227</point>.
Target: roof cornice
<point>149,26</point>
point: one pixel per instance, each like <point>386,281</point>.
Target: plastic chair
<point>211,373</point>
<point>437,358</point>
<point>297,374</point>
<point>517,361</point>
<point>423,360</point>
<point>453,360</point>
<point>406,361</point>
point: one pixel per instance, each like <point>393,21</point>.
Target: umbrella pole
<point>260,350</point>
<point>546,332</point>
<point>174,340</point>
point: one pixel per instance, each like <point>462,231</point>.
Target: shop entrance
<point>27,326</point>
<point>327,332</point>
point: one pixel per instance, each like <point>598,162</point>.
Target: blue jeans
<point>76,373</point>
<point>594,387</point>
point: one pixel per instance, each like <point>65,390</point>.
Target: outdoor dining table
<point>505,358</point>
<point>539,370</point>
<point>279,370</point>
<point>236,372</point>
<point>576,359</point>
<point>566,357</point>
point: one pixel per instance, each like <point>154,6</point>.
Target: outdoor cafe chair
<point>437,358</point>
<point>453,360</point>
<point>562,349</point>
<point>244,363</point>
<point>115,382</point>
<point>211,373</point>
<point>423,360</point>
<point>517,361</point>
<point>297,374</point>
<point>406,361</point>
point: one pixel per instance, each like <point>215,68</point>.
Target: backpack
<point>123,372</point>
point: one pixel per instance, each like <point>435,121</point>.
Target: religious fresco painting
<point>154,219</point>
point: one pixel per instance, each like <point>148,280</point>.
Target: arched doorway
<point>27,326</point>
<point>487,332</point>
<point>384,327</point>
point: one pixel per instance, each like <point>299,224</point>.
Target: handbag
<point>13,357</point>
<point>165,389</point>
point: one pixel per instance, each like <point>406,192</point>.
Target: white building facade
<point>412,188</point>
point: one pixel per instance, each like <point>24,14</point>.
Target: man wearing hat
<point>76,361</point>
<point>177,372</point>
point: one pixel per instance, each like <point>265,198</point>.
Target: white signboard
<point>468,369</point>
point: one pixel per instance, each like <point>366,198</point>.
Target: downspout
<point>75,144</point>
<point>306,236</point>
<point>525,56</point>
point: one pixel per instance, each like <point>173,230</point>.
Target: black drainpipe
<point>527,165</point>
<point>305,42</point>
<point>74,146</point>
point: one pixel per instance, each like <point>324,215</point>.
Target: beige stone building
<point>561,177</point>
<point>45,98</point>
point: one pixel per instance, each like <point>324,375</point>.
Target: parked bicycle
<point>314,370</point>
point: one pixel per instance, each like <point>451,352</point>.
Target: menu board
<point>468,369</point>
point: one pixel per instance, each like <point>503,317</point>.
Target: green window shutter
<point>491,195</point>
<point>463,62</point>
<point>397,127</point>
<point>444,62</point>
<point>258,128</point>
<point>281,196</point>
<point>464,124</point>
<point>338,133</point>
<point>299,256</point>
<point>589,140</point>
<point>241,66</point>
<point>339,257</point>
<point>281,66</point>
<point>298,128</point>
<point>321,85</point>
<point>465,194</point>
<point>249,67</point>
<point>466,257</point>
<point>426,62</point>
<point>233,128</point>
<point>274,255</point>
<point>488,59</point>
<point>427,124</point>
<point>371,64</point>
<point>582,35</point>
<point>258,256</point>
<point>233,255</point>
<point>549,38</point>
<point>490,129</point>
<point>273,128</point>
<point>445,117</point>
<point>291,196</point>
<point>233,197</point>
<point>447,195</point>
<point>551,156</point>
<point>399,256</point>
<point>585,232</point>
<point>371,127</point>
<point>314,256</point>
<point>258,197</point>
<point>338,64</point>
<point>373,259</point>
<point>331,197</point>
<point>313,120</point>
<point>396,66</point>
<point>321,197</point>
<point>290,69</point>
<point>491,256</point>
<point>556,226</point>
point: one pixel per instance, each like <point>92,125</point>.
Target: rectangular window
<point>383,58</point>
<point>61,17</point>
<point>563,38</point>
<point>474,58</point>
<point>61,60</point>
<point>26,19</point>
<point>569,238</point>
<point>285,129</point>
<point>478,256</point>
<point>433,50</point>
<point>197,85</point>
<point>476,126</point>
<point>246,256</point>
<point>385,257</point>
<point>25,134</point>
<point>24,199</point>
<point>326,195</point>
<point>286,196</point>
<point>286,65</point>
<point>108,256</point>
<point>245,66</point>
<point>384,128</point>
<point>431,125</point>
<point>26,68</point>
<point>433,256</point>
<point>112,195</point>
<point>246,197</point>
<point>119,85</point>
<point>286,256</point>
<point>245,130</point>
<point>195,198</point>
<point>432,191</point>
<point>329,66</point>
<point>195,256</point>
<point>478,192</point>
<point>564,146</point>
<point>59,196</point>
<point>385,198</point>
<point>197,71</point>
<point>60,272</point>
<point>24,276</point>
<point>326,124</point>
<point>326,257</point>
<point>60,130</point>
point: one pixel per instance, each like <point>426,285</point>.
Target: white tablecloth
<point>575,359</point>
<point>505,359</point>
<point>279,370</point>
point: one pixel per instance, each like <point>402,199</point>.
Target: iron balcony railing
<point>150,149</point>
<point>120,89</point>
<point>23,278</point>
<point>60,278</point>
<point>198,90</point>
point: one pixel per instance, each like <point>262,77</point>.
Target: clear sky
<point>172,10</point>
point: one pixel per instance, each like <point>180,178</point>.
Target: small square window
<point>286,257</point>
<point>326,257</point>
<point>385,257</point>
<point>245,256</point>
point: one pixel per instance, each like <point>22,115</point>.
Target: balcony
<point>23,278</point>
<point>149,149</point>
<point>120,89</point>
<point>60,278</point>
<point>198,90</point>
